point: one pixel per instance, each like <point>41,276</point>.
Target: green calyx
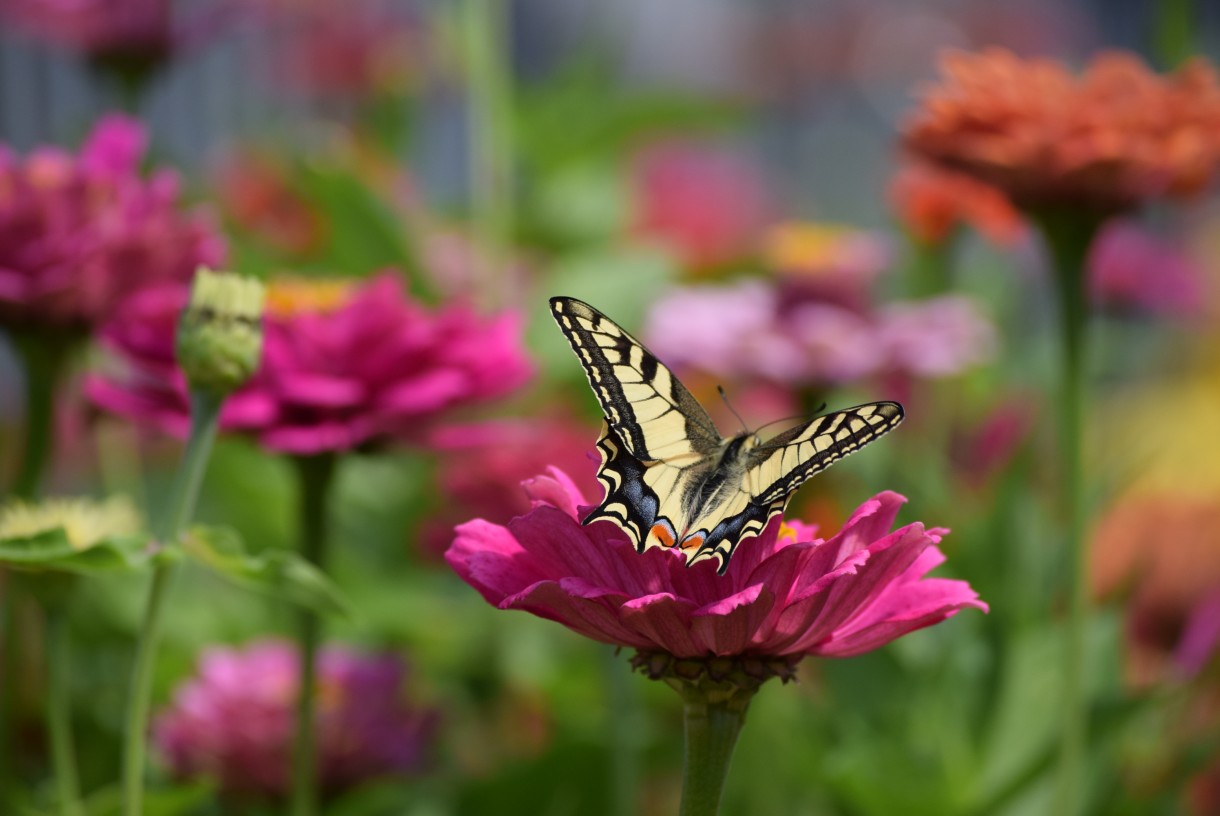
<point>220,333</point>
<point>715,679</point>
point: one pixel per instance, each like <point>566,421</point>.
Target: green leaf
<point>51,550</point>
<point>278,573</point>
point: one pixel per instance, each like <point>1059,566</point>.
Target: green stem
<point>711,730</point>
<point>1068,236</point>
<point>205,414</point>
<point>1175,31</point>
<point>44,359</point>
<point>930,267</point>
<point>8,687</point>
<point>315,475</point>
<point>491,183</point>
<point>59,718</point>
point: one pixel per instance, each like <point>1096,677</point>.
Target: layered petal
<point>785,594</point>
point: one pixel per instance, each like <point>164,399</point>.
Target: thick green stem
<point>205,414</point>
<point>491,184</point>
<point>1175,31</point>
<point>711,730</point>
<point>59,716</point>
<point>1068,236</point>
<point>315,475</point>
<point>45,359</point>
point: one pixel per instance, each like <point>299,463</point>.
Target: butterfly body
<point>671,479</point>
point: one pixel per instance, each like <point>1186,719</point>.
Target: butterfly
<point>671,479</point>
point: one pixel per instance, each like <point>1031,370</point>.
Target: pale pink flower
<point>786,594</point>
<point>753,329</point>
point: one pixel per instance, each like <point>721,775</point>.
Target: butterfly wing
<point>782,464</point>
<point>653,415</point>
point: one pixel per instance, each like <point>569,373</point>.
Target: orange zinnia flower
<point>1110,138</point>
<point>932,202</point>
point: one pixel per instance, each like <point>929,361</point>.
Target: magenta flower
<point>234,722</point>
<point>762,330</point>
<point>79,234</point>
<point>345,364</point>
<point>786,594</point>
<point>1131,269</point>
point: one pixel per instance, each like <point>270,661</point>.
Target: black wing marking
<point>651,412</point>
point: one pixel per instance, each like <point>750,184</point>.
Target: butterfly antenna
<point>724,396</point>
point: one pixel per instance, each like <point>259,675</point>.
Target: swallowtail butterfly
<point>671,479</point>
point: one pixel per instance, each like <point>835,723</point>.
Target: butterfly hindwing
<point>670,479</point>
<point>652,413</point>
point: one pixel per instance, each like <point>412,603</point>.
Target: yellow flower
<point>85,521</point>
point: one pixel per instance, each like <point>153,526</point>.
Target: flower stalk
<point>205,415</point>
<point>490,158</point>
<point>45,360</point>
<point>315,476</point>
<point>1068,236</point>
<point>710,730</point>
<point>218,347</point>
<point>58,713</point>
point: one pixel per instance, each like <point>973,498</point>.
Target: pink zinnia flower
<point>1133,270</point>
<point>80,233</point>
<point>234,721</point>
<point>345,364</point>
<point>710,205</point>
<point>786,594</point>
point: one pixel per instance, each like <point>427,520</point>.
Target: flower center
<point>291,296</point>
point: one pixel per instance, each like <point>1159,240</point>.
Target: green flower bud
<point>220,333</point>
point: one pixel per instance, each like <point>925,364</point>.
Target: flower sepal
<point>278,573</point>
<point>715,679</point>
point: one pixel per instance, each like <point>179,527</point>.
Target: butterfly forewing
<point>653,414</point>
<point>779,466</point>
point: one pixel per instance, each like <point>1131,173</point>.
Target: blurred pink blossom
<point>711,205</point>
<point>131,33</point>
<point>233,722</point>
<point>481,468</point>
<point>753,329</point>
<point>80,233</point>
<point>828,262</point>
<point>786,593</point>
<point>345,364</point>
<point>346,50</point>
<point>1131,269</point>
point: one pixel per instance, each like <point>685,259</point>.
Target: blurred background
<point>692,168</point>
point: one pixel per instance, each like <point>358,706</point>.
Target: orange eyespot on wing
<point>662,533</point>
<point>694,541</point>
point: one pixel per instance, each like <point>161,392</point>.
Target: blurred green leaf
<point>278,573</point>
<point>51,550</point>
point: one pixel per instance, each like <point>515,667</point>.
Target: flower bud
<point>220,333</point>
